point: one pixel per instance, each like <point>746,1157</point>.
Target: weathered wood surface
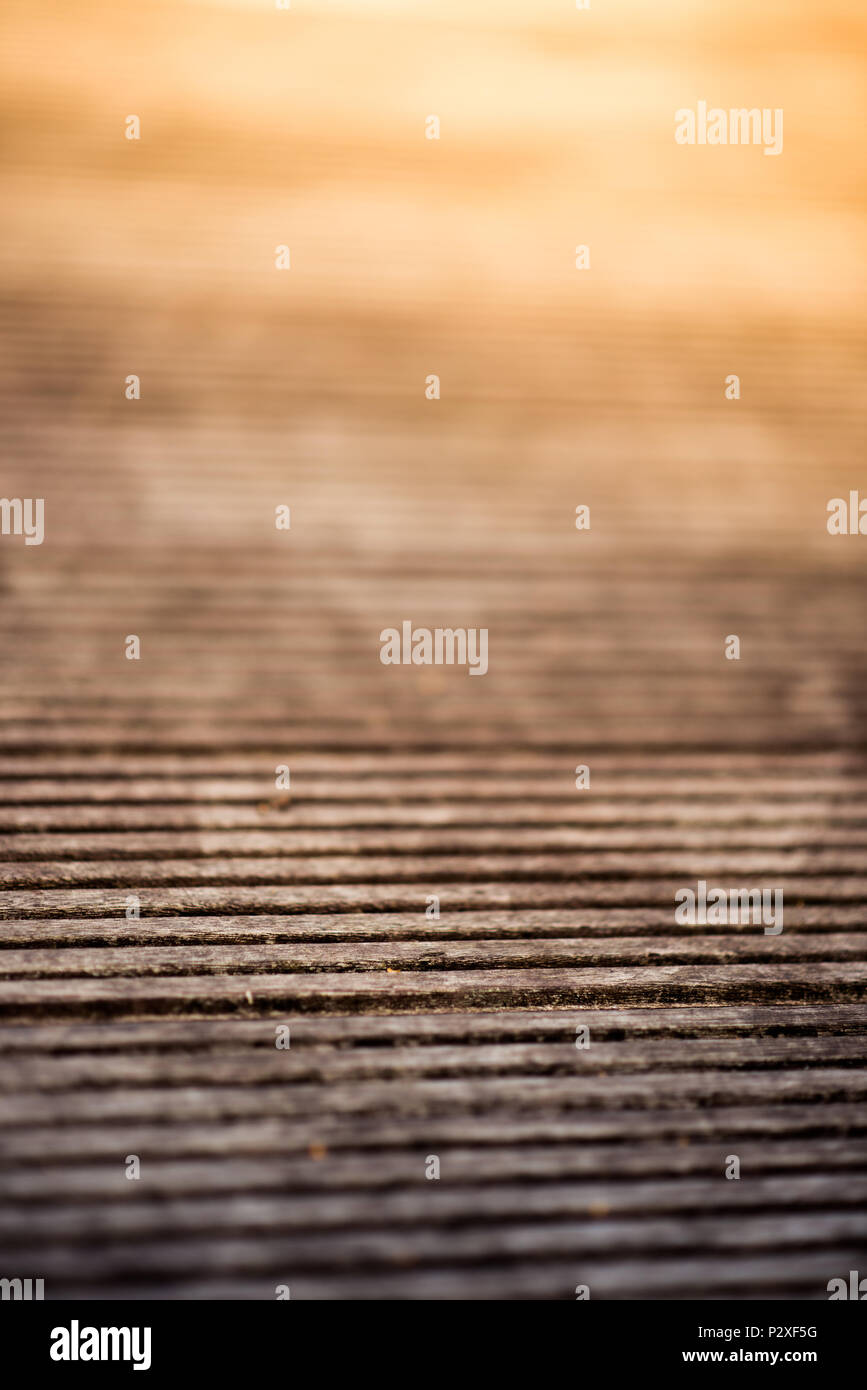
<point>154,1034</point>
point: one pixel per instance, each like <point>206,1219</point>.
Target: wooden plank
<point>343,1170</point>
<point>391,730</point>
<point>393,897</point>
<point>380,1250</point>
<point>796,818</point>
<point>636,952</point>
<point>587,988</point>
<point>324,1066</point>
<point>312,1030</point>
<point>813,845</point>
<point>646,925</point>
<point>463,1095</point>
<point>138,1219</point>
<point>760,1276</point>
<point>686,770</point>
<point>787,866</point>
<point>559,786</point>
<point>45,1147</point>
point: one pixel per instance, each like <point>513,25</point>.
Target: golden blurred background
<point>456,257</point>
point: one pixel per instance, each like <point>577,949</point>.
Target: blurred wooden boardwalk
<point>155,779</point>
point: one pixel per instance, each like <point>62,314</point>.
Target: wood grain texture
<point>166,910</point>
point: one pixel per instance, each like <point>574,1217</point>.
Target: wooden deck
<point>411,1037</point>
